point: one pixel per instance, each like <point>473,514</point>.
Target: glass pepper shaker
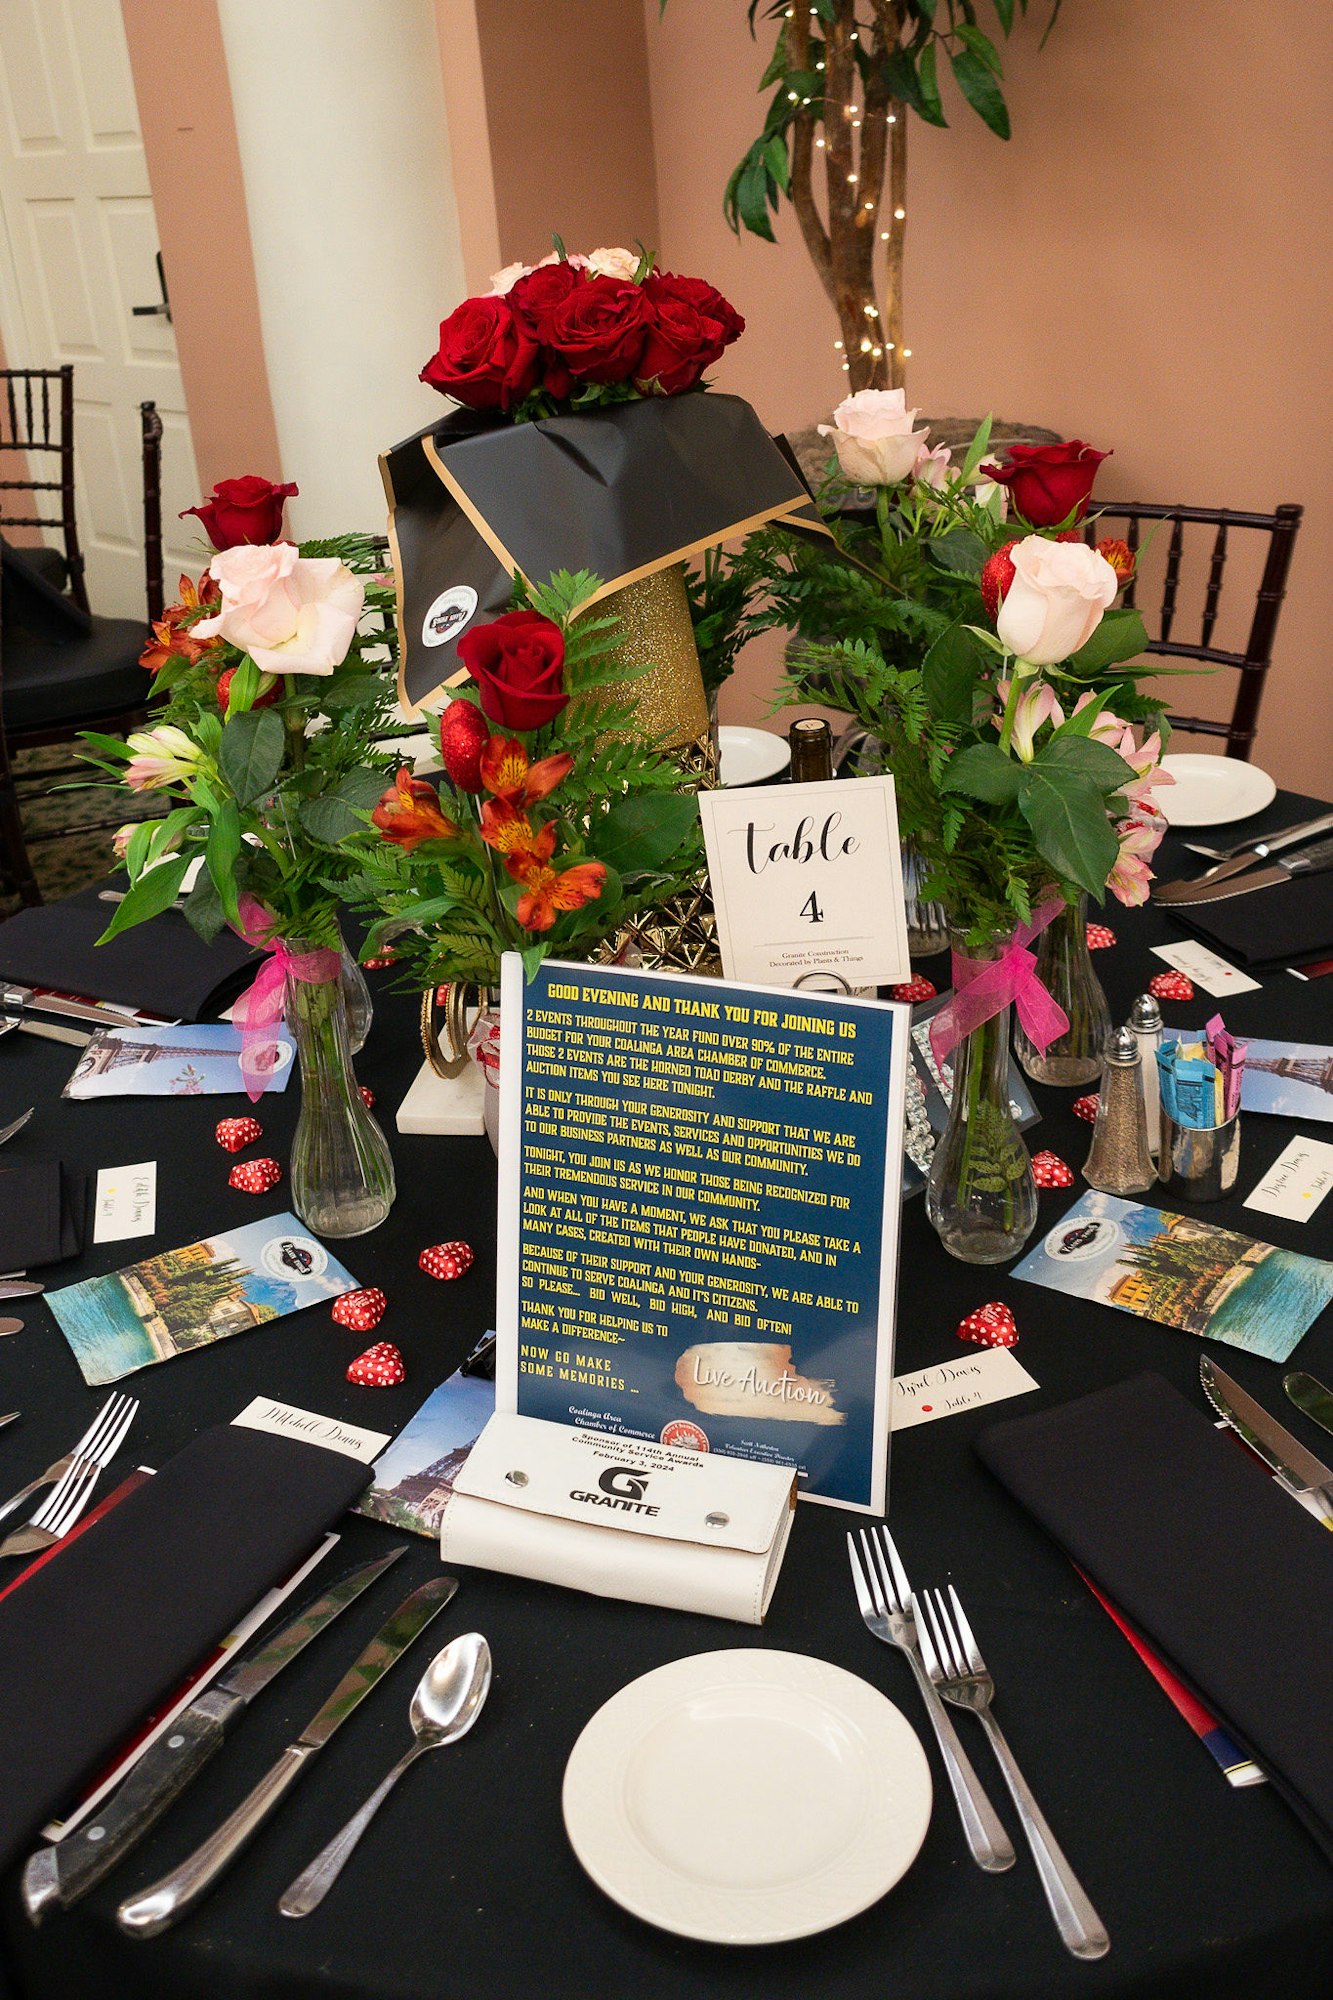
<point>1145,1018</point>
<point>1118,1160</point>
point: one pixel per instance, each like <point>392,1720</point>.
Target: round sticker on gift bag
<point>448,614</point>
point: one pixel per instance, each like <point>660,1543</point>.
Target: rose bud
<point>463,737</point>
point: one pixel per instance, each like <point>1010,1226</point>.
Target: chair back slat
<point>41,422</point>
<point>1216,565</point>
<point>1172,583</point>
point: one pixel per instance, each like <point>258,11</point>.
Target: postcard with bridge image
<point>1184,1272</point>
<point>182,1299</point>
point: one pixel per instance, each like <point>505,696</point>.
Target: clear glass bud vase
<point>980,1196</point>
<point>360,1007</point>
<point>342,1180</point>
<point>1064,968</point>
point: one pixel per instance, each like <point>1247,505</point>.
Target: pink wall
<point>1145,264</point>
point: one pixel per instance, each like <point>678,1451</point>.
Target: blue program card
<point>700,1187</point>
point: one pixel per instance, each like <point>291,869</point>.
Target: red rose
<point>705,298</point>
<point>682,340</point>
<point>243,510</point>
<point>518,664</point>
<point>534,298</point>
<point>486,359</point>
<point>1048,482</point>
<point>599,330</point>
<point>463,737</point>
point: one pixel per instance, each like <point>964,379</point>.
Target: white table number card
<point>807,883</point>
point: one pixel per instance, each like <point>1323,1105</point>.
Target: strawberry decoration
<point>264,700</point>
<point>235,1133</point>
<point>1100,937</point>
<point>996,578</point>
<point>255,1176</point>
<point>380,1367</point>
<point>446,1260</point>
<point>367,1096</point>
<point>362,1310</point>
<point>464,734</point>
<point>990,1325</point>
<point>1050,1171</point>
<point>1086,1107</point>
<point>913,990</point>
<point>1171,986</point>
<point>378,964</point>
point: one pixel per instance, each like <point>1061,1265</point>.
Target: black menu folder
<point>1289,924</point>
<point>96,1638</point>
<point>1226,1576</point>
<point>162,966</point>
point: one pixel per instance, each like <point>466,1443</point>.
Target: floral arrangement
<point>986,651</point>
<point>578,332</point>
<point>272,698</point>
<point>552,826</point>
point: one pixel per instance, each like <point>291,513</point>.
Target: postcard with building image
<point>182,1299</point>
<point>1183,1271</point>
<point>415,1476</point>
<point>187,1060</point>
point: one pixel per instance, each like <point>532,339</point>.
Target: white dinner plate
<point>747,1797</point>
<point>750,756</point>
<point>1209,791</point>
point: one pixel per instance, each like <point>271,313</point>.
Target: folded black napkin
<point>41,1213</point>
<point>1289,924</point>
<point>96,1638</point>
<point>1223,1573</point>
<point>162,966</point>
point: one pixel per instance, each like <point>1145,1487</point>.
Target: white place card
<point>1296,1182</point>
<point>263,1414</point>
<point>125,1203</point>
<point>807,883</point>
<point>1205,968</point>
<point>950,1386</point>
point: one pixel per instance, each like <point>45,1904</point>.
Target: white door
<point>78,249</point>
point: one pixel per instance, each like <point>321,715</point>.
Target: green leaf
<point>1067,815</point>
<point>243,688</point>
<point>960,551</point>
<point>1005,10</point>
<point>977,83</point>
<point>644,832</point>
<point>1089,757</point>
<point>981,46</point>
<point>984,772</point>
<point>250,753</point>
<point>336,814</point>
<point>1122,635</point>
<point>220,857</point>
<point>532,957</point>
<point>977,450</point>
<point>949,674</point>
<point>203,908</point>
<point>149,896</point>
<point>778,160</point>
<point>928,79</point>
<point>136,853</point>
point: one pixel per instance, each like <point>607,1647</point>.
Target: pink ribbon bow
<point>982,987</point>
<point>264,1002</point>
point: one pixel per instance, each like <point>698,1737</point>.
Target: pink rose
<point>503,281</point>
<point>873,436</point>
<point>292,615</point>
<point>1056,601</point>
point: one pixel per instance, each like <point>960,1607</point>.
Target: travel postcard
<point>415,1476</point>
<point>1183,1271</point>
<point>182,1061</point>
<point>183,1299</point>
<point>1285,1079</point>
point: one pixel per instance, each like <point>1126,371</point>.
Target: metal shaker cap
<point>1145,1015</point>
<point>1122,1047</point>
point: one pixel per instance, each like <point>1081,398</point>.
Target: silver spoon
<point>447,1702</point>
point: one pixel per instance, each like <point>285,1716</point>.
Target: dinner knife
<point>16,998</point>
<point>156,1908</point>
<point>1297,1469</point>
<point>63,1872</point>
<point>51,1031</point>
<point>1310,861</point>
<point>1308,1393</point>
<point>1289,836</point>
<point>1248,855</point>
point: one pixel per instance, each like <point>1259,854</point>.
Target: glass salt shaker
<point>1118,1160</point>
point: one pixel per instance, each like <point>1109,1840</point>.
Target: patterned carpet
<point>79,857</point>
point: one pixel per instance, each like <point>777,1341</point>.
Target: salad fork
<point>956,1667</point>
<point>74,1478</point>
<point>886,1607</point>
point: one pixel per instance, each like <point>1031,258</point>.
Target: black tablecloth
<point>467,1886</point>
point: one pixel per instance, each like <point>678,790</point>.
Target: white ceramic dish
<point>747,1797</point>
<point>1210,791</point>
<point>751,756</point>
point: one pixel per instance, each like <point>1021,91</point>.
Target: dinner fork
<point>886,1607</point>
<point>958,1670</point>
<point>74,1478</point>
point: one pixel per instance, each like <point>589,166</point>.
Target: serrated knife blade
<point>1298,1469</point>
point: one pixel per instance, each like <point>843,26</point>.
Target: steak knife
<point>1311,861</point>
<point>1248,855</point>
<point>156,1908</point>
<point>1297,1469</point>
<point>17,998</point>
<point>63,1872</point>
<point>1308,1393</point>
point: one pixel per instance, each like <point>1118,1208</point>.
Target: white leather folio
<point>621,1517</point>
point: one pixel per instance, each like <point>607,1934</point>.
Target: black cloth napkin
<point>95,1639</point>
<point>1223,1573</point>
<point>41,1213</point>
<point>162,966</point>
<point>1289,924</point>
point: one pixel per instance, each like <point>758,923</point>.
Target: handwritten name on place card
<point>263,1414</point>
<point>1206,968</point>
<point>125,1203</point>
<point>951,1386</point>
<point>1296,1182</point>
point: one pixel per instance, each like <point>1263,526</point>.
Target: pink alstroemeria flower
<point>1139,840</point>
<point>1035,706</point>
<point>161,757</point>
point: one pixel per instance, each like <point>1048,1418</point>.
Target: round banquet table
<point>467,1886</point>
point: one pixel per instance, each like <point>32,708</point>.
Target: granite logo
<point>621,1487</point>
<point>448,614</point>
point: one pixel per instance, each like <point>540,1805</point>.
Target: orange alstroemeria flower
<point>1121,558</point>
<point>505,828</point>
<point>409,813</point>
<point>549,890</point>
<point>171,635</point>
<point>506,772</point>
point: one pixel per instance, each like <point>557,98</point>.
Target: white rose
<point>1056,601</point>
<point>504,281</point>
<point>622,264</point>
<point>292,614</point>
<point>873,436</point>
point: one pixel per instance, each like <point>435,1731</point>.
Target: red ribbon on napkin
<point>263,1003</point>
<point>984,986</point>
